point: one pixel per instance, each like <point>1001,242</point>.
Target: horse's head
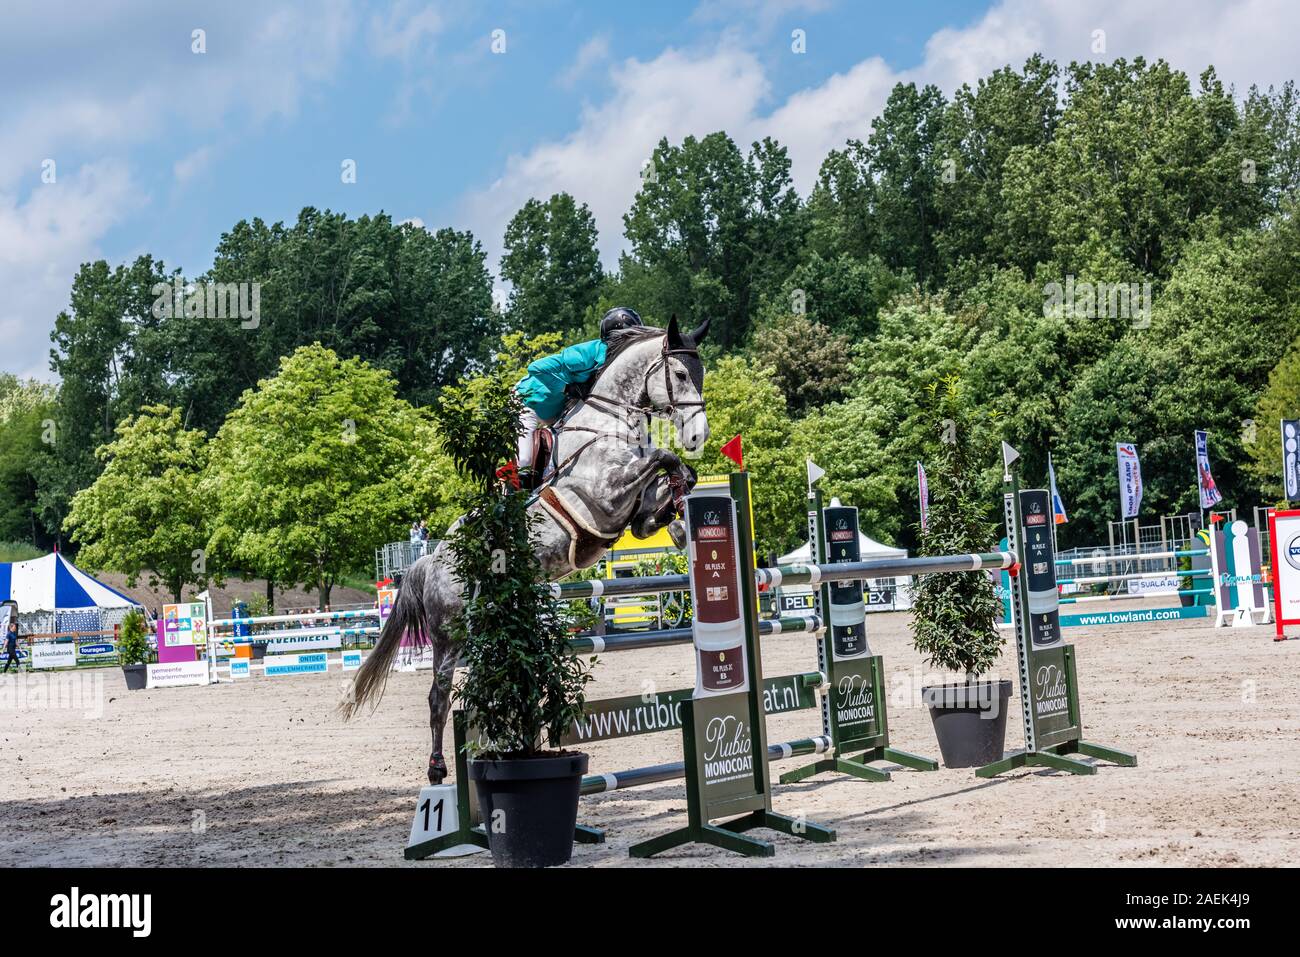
<point>657,373</point>
<point>675,385</point>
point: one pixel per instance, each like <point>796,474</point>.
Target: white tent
<point>889,594</point>
<point>52,594</point>
<point>868,547</point>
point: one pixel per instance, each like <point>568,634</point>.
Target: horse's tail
<point>409,616</point>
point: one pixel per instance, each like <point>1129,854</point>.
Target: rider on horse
<point>542,390</point>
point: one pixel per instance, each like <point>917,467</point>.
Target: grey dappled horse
<point>609,477</point>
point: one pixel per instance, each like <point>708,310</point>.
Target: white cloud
<point>187,167</point>
<point>43,242</point>
<point>404,29</point>
<point>127,79</point>
<point>723,88</point>
<point>600,162</point>
<point>591,53</point>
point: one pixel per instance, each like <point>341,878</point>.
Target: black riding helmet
<point>620,317</point>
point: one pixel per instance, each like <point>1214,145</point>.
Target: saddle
<point>543,452</point>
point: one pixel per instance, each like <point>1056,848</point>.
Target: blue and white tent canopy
<point>53,583</point>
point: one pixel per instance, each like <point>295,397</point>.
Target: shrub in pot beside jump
<point>521,686</point>
<point>954,616</point>
<point>133,650</point>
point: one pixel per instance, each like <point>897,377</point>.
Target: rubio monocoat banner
<point>853,699</point>
<point>1040,567</point>
<point>1049,681</point>
<point>715,590</point>
<point>847,612</point>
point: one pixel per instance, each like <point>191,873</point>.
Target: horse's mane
<point>620,340</point>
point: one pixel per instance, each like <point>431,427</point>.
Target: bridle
<point>614,407</point>
<point>626,411</point>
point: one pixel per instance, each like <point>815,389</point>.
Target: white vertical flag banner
<point>1130,479</point>
<point>1291,459</point>
<point>1210,494</point>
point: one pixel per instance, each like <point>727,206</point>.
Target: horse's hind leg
<point>439,705</point>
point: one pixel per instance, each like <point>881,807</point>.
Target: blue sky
<point>158,149</point>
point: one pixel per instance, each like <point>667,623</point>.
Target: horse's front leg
<point>636,475</point>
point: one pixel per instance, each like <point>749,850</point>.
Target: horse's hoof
<point>437,769</point>
<point>677,532</point>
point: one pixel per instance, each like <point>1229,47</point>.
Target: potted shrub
<point>133,650</point>
<point>954,616</point>
<point>521,687</point>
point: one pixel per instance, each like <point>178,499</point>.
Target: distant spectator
<point>11,646</point>
<point>415,531</point>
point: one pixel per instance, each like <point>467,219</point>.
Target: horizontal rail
<point>1160,594</point>
<point>305,616</point>
<point>265,636</point>
<point>799,574</point>
<point>597,644</point>
<point>655,774</point>
<point>1124,576</point>
<point>1144,556</point>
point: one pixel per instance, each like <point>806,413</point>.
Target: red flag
<point>732,451</point>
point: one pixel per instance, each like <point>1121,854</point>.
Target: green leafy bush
<point>520,681</point>
<point>954,616</point>
<point>132,643</point>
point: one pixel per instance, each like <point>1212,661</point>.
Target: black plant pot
<point>530,807</point>
<point>137,676</point>
<point>259,650</point>
<point>970,721</point>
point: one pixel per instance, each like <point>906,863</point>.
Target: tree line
<point>1094,252</point>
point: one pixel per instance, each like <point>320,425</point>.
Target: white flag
<point>815,472</point>
<point>1130,479</point>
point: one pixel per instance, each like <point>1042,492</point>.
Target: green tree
<point>713,230</point>
<point>807,361</point>
<point>316,468</point>
<point>1280,400</point>
<point>840,437</point>
<point>552,263</point>
<point>1006,111</point>
<point>744,400</point>
<point>144,512</point>
<point>954,616</point>
<point>27,411</point>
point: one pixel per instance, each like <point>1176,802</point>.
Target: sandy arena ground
<point>262,773</point>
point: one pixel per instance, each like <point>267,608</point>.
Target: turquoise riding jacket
<point>543,388</point>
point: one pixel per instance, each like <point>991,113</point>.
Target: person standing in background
<point>11,645</point>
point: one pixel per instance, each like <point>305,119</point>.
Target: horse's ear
<point>675,334</point>
<point>700,331</point>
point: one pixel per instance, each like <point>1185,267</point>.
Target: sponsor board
<point>95,652</point>
<point>240,668</point>
<point>352,660</point>
<point>1154,586</point>
<point>176,674</point>
<point>303,664</point>
<point>1137,615</point>
<point>279,646</point>
<point>54,654</point>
